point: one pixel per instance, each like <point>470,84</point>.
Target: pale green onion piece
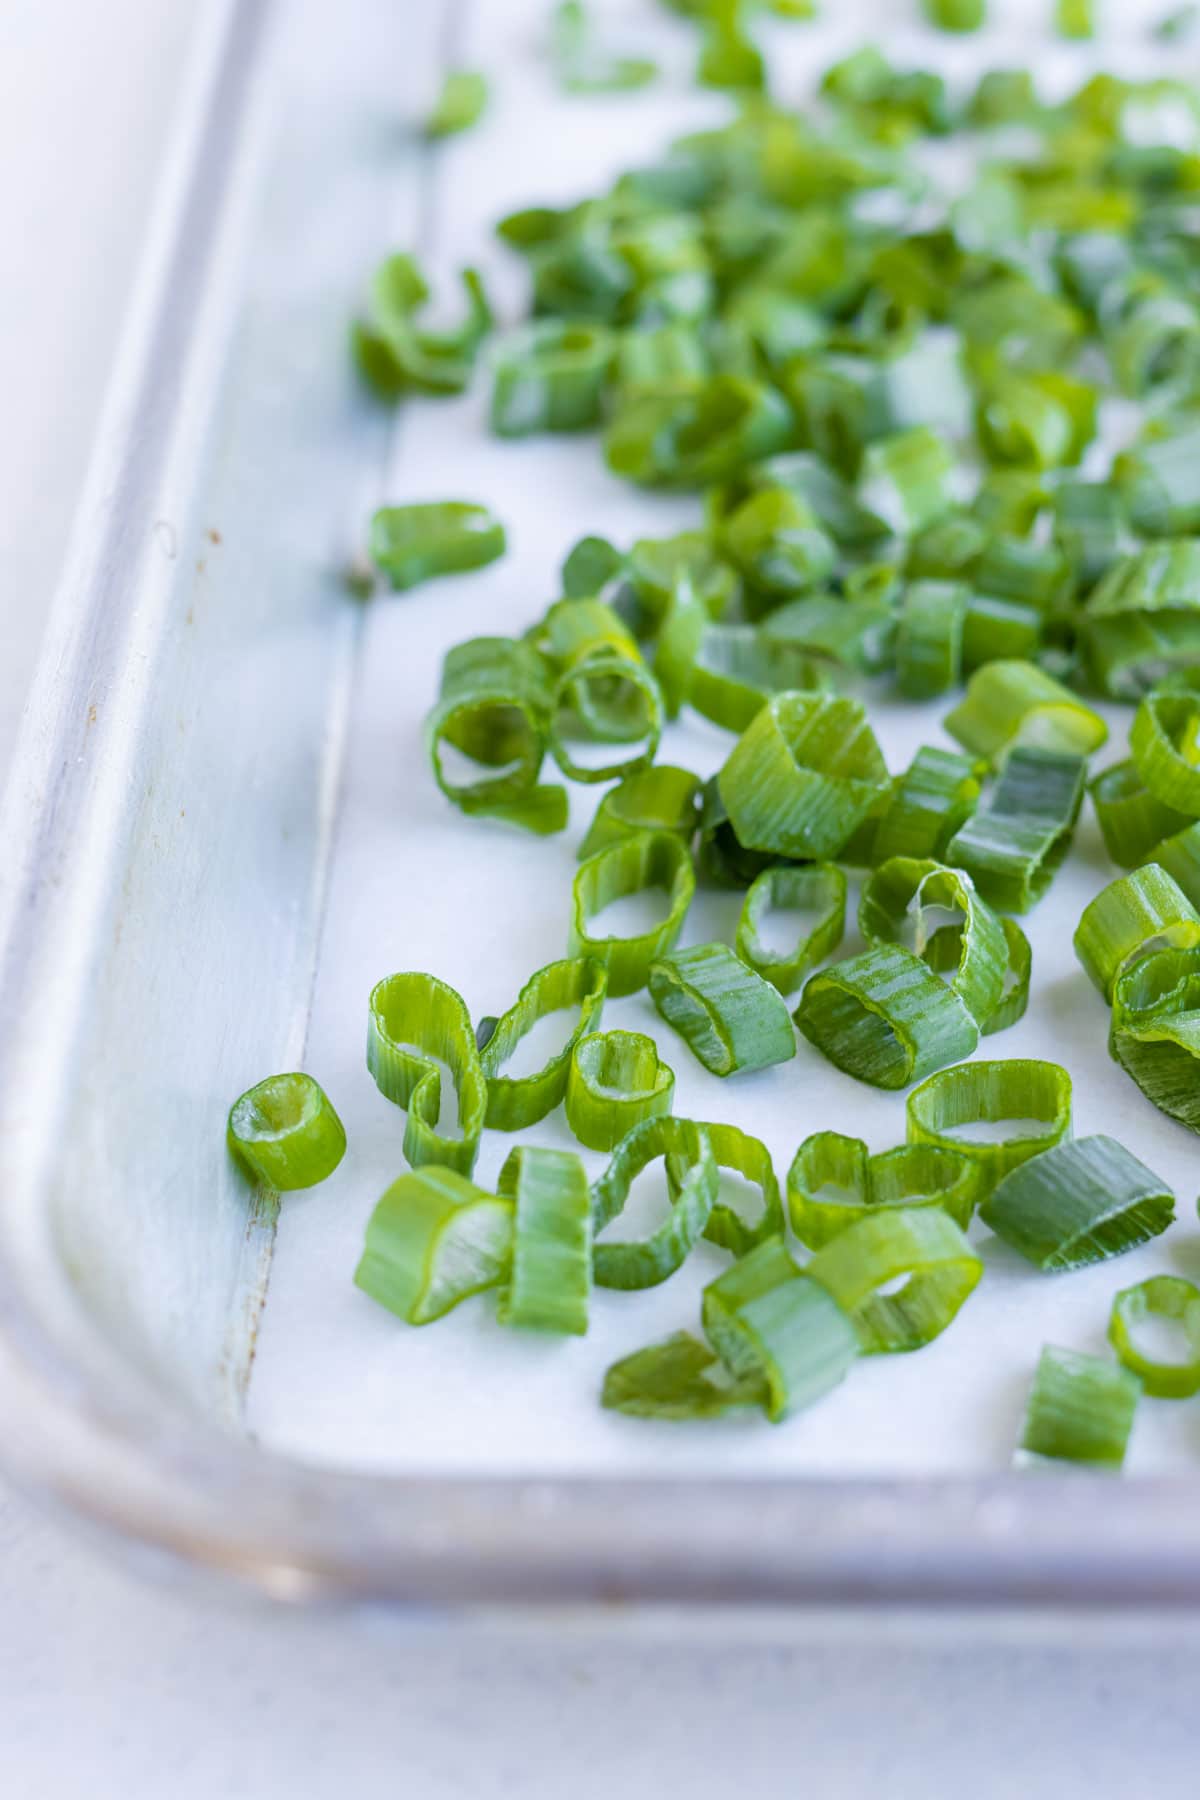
<point>729,672</point>
<point>433,1239</point>
<point>1160,484</point>
<point>649,860</point>
<point>857,630</point>
<point>286,1132</point>
<point>1155,1031</point>
<point>550,1276</point>
<point>492,712</point>
<point>515,1102</point>
<point>956,15</point>
<point>1012,703</point>
<point>1078,1203</point>
<point>1166,1297</point>
<point>1132,916</point>
<point>551,377</point>
<point>907,479</point>
<point>1163,743</point>
<point>905,894</point>
<point>923,1244</point>
<point>617,1079</point>
<point>1075,18</point>
<point>943,952</point>
<point>992,1093</point>
<point>1016,841</point>
<point>657,799</point>
<point>748,1157</point>
<point>1080,1410</point>
<point>776,540</point>
<point>460,104</point>
<point>834,1182</point>
<point>886,1018</point>
<point>1133,821</point>
<point>936,795</point>
<point>674,1380</point>
<point>771,1324</point>
<point>1179,855</point>
<point>730,1018</point>
<point>412,544</point>
<point>413,1020</point>
<point>803,775</point>
<point>815,887</point>
<point>929,638</point>
<point>1143,620</point>
<point>691,1194</point>
<point>1090,527</point>
<point>582,695</point>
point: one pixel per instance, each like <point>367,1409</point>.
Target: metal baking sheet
<point>227,833</point>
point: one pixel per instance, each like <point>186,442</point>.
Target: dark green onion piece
<point>1016,841</point>
<point>551,377</point>
<point>578,704</point>
<point>690,437</point>
<point>1136,914</point>
<point>834,1181</point>
<point>992,1093</point>
<point>285,1131</point>
<point>657,799</point>
<point>617,1079</point>
<point>720,858</point>
<point>1080,1409</point>
<point>922,1243</point>
<point>803,775</point>
<point>649,860</point>
<point>1155,1031</point>
<point>937,794</point>
<point>905,892</point>
<point>396,354</point>
<point>1078,1203</point>
<point>1179,855</point>
<point>550,1276</point>
<point>692,1193</point>
<point>776,539</point>
<point>1161,1297</point>
<point>819,887</point>
<point>772,1325</point>
<point>728,58</point>
<point>433,1239</point>
<point>414,1019</point>
<point>1133,821</point>
<point>515,1102</point>
<point>1010,703</point>
<point>730,1018</point>
<point>674,1380</point>
<point>460,104</point>
<point>886,1018</point>
<point>412,544</point>
<point>943,952</point>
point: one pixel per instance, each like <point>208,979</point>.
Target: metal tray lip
<point>95,1436</point>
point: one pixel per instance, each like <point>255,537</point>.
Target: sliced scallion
<point>648,860</point>
<point>674,1380</point>
<point>1133,821</point>
<point>806,771</point>
<point>412,544</point>
<point>1012,1092</point>
<point>819,887</point>
<point>286,1132</point>
<point>1016,841</point>
<point>1166,1297</point>
<point>920,1243</point>
<point>661,798</point>
<point>1077,1203</point>
<point>834,1182</point>
<point>1013,702</point>
<point>730,1018</point>
<point>886,1018</point>
<point>515,1102</point>
<point>617,1079</point>
<point>1080,1410</point>
<point>550,1274</point>
<point>1155,1031</point>
<point>415,1023</point>
<point>433,1239</point>
<point>936,795</point>
<point>772,1324</point>
<point>1139,912</point>
<point>691,1195</point>
<point>906,894</point>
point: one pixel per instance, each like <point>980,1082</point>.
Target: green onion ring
<point>922,1243</point>
<point>806,771</point>
<point>1079,1202</point>
<point>414,1018</point>
<point>885,1018</point>
<point>691,1198</point>
<point>901,889</point>
<point>651,859</point>
<point>1017,840</point>
<point>1155,1031</point>
<point>1133,821</point>
<point>286,1132</point>
<point>1014,702</point>
<point>1080,1409</point>
<point>513,1103</point>
<point>819,886</point>
<point>1136,914</point>
<point>1161,1297</point>
<point>433,1239</point>
<point>746,1156</point>
<point>729,1017</point>
<point>617,1079</point>
<point>1158,742</point>
<point>912,1175</point>
<point>992,1092</point>
<point>550,1277</point>
<point>657,799</point>
<point>772,1325</point>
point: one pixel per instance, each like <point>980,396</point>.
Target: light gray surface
<point>112,1687</point>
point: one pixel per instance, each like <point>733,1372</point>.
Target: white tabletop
<point>119,1683</point>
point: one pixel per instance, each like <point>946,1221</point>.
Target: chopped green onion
<point>657,799</point>
<point>929,638</point>
<point>956,15</point>
<point>817,886</point>
<point>617,1079</point>
<point>943,952</point>
<point>922,1243</point>
<point>581,67</point>
<point>1075,18</point>
<point>1132,916</point>
<point>551,377</point>
<point>772,1324</point>
<point>1037,421</point>
<point>609,696</point>
<point>1166,1297</point>
<point>777,541</point>
<point>1133,821</point>
<point>433,1239</point>
<point>727,673</point>
<point>857,630</point>
<point>515,1102</point>
<point>1161,485</point>
<point>992,1093</point>
<point>806,771</point>
<point>692,1193</point>
<point>905,892</point>
<point>720,857</point>
<point>1155,1031</point>
<point>651,859</point>
<point>673,1380</point>
<point>729,1017</point>
<point>492,711</point>
<point>550,1277</point>
<point>1011,703</point>
<point>413,1020</point>
<point>1179,855</point>
<point>748,1157</point>
<point>690,437</point>
<point>834,1182</point>
<point>1163,741</point>
<point>1080,1409</point>
<point>886,1018</point>
<point>1077,1203</point>
<point>934,797</point>
<point>286,1132</point>
<point>396,355</point>
<point>728,58</point>
<point>1143,619</point>
<point>412,544</point>
<point>907,479</point>
<point>1089,526</point>
<point>460,104</point>
<point>1015,843</point>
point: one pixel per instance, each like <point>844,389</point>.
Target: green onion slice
<point>1133,821</point>
<point>935,796</point>
<point>651,859</point>
<point>908,479</point>
<point>690,436</point>
<point>414,1019</point>
<point>1164,746</point>
<point>922,1243</point>
<point>492,713</point>
<point>1166,1297</point>
<point>1011,702</point>
<point>720,857</point>
<point>929,638</point>
<point>617,685</point>
<point>771,1324</point>
<point>674,1380</point>
<point>286,1132</point>
<point>1155,1031</point>
<point>729,1017</point>
<point>745,1156</point>
<point>1080,1409</point>
<point>617,1079</point>
<point>412,544</point>
<point>550,1276</point>
<point>692,1193</point>
<point>906,895</point>
<point>1144,617</point>
<point>803,775</point>
<point>551,377</point>
<point>1018,1092</point>
<point>396,355</point>
<point>819,888</point>
<point>1077,1203</point>
<point>834,1181</point>
<point>943,952</point>
<point>433,1239</point>
<point>658,799</point>
<point>1132,916</point>
<point>727,673</point>
<point>1015,843</point>
<point>886,1018</point>
<point>515,1102</point>
<point>460,104</point>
